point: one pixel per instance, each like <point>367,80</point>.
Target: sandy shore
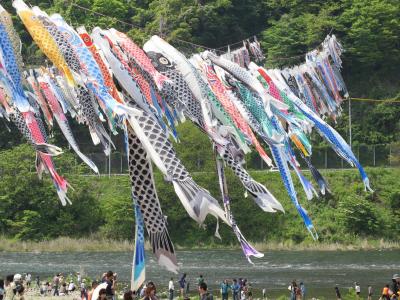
<point>35,295</point>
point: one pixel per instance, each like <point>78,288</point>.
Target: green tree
<point>359,216</point>
<point>29,207</point>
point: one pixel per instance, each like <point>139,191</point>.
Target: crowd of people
<point>390,291</point>
<point>297,291</point>
<point>240,289</point>
<point>14,287</point>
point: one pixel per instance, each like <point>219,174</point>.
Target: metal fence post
<point>109,156</point>
<point>105,165</point>
<point>350,134</point>
<point>109,165</point>
<point>373,148</point>
<point>120,155</point>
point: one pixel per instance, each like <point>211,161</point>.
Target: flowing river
<point>319,270</point>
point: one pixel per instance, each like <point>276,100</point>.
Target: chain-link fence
<point>383,155</point>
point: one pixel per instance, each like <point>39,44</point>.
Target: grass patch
<point>96,244</point>
<point>65,244</point>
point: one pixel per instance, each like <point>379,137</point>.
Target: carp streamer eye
<point>164,61</point>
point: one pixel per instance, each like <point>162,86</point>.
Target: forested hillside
<point>29,208</point>
<point>287,29</point>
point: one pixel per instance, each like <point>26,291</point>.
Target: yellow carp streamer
<point>43,39</point>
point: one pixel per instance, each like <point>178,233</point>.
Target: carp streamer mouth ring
<point>163,60</point>
<point>86,39</point>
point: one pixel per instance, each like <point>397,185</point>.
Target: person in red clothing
<point>385,293</point>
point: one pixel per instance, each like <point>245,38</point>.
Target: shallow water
<point>319,270</point>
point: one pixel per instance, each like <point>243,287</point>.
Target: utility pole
<point>161,25</point>
<point>109,156</point>
<point>350,122</point>
<point>163,19</point>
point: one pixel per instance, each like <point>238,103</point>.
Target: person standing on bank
<point>56,283</point>
<point>235,290</point>
<point>225,289</point>
<point>182,283</point>
<point>337,292</point>
<point>171,289</point>
<point>357,289</point>
<point>302,290</point>
<point>370,292</point>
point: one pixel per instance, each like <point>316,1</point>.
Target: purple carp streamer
<point>238,104</point>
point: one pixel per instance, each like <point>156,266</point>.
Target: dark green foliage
<point>29,208</point>
<point>358,216</point>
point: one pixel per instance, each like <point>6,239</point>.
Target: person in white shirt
<point>71,287</point>
<point>171,289</point>
<point>141,294</point>
<point>84,294</point>
<point>358,289</point>
<point>28,279</point>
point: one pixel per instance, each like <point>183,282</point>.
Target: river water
<point>319,270</point>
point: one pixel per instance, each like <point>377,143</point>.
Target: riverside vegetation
<point>350,217</point>
<point>102,208</point>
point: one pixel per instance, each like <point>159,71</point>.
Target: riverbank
<point>33,294</point>
<point>321,271</point>
<point>95,244</point>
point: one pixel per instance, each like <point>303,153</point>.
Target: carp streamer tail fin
<point>139,257</point>
<point>197,201</point>
<point>163,249</point>
<point>264,199</point>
